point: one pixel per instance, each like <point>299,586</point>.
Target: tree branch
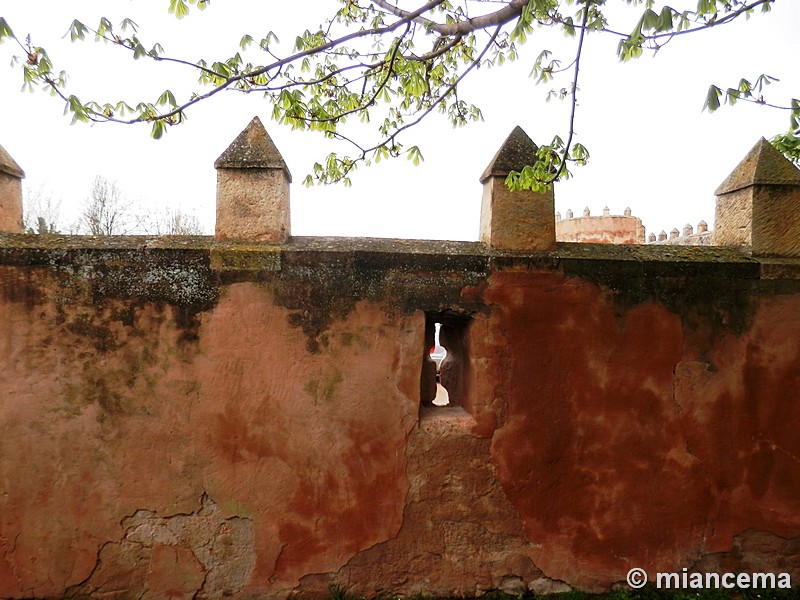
<point>670,34</point>
<point>578,54</point>
<point>391,138</point>
<point>500,17</point>
<point>228,81</point>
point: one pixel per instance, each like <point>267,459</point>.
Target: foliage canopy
<point>391,63</point>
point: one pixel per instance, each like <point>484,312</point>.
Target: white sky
<point>651,146</point>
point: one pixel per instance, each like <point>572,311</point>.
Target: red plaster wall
<point>103,419</point>
<point>148,452</point>
<point>625,443</point>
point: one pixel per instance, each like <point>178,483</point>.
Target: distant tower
<point>602,229</point>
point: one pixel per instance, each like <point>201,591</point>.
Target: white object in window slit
<point>438,354</point>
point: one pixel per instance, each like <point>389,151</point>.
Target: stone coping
<point>563,250</point>
<point>618,266</point>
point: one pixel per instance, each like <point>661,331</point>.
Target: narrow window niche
<point>445,360</point>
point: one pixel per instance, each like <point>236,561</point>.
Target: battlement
<point>756,205</point>
<point>687,237</point>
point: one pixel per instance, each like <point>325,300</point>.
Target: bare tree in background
<point>173,222</point>
<point>41,212</point>
<point>106,211</point>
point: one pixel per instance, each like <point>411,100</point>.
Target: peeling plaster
<point>196,555</point>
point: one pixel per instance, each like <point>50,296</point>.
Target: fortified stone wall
<point>687,237</point>
<point>208,417</point>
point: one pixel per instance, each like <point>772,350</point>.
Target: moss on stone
<point>321,279</point>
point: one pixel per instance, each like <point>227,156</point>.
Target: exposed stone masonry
<point>252,189</point>
<point>197,555</point>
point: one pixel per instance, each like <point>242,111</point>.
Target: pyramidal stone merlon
<point>11,176</point>
<point>523,220</point>
<point>253,149</point>
<point>758,204</point>
<point>9,166</point>
<point>516,152</point>
<point>763,165</point>
<point>252,189</point>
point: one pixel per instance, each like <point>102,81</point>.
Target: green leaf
<point>649,20</point>
<point>221,69</point>
<point>665,19</point>
<point>415,155</point>
<point>167,98</point>
<point>579,154</point>
<point>705,7</point>
<point>158,130</point>
<point>179,9</point>
<point>380,153</point>
<point>79,111</point>
<point>5,30</point>
<point>122,108</point>
<point>631,47</point>
<point>270,37</point>
<point>763,81</point>
<point>712,99</point>
<point>794,118</point>
<point>103,28</point>
<point>789,145</point>
<point>568,27</point>
<point>128,23</point>
<point>745,87</point>
<point>138,49</point>
<point>77,31</point>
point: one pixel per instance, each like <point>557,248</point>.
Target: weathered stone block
<point>758,205</point>
<point>252,189</point>
<point>520,220</point>
<point>11,176</point>
<point>252,205</point>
